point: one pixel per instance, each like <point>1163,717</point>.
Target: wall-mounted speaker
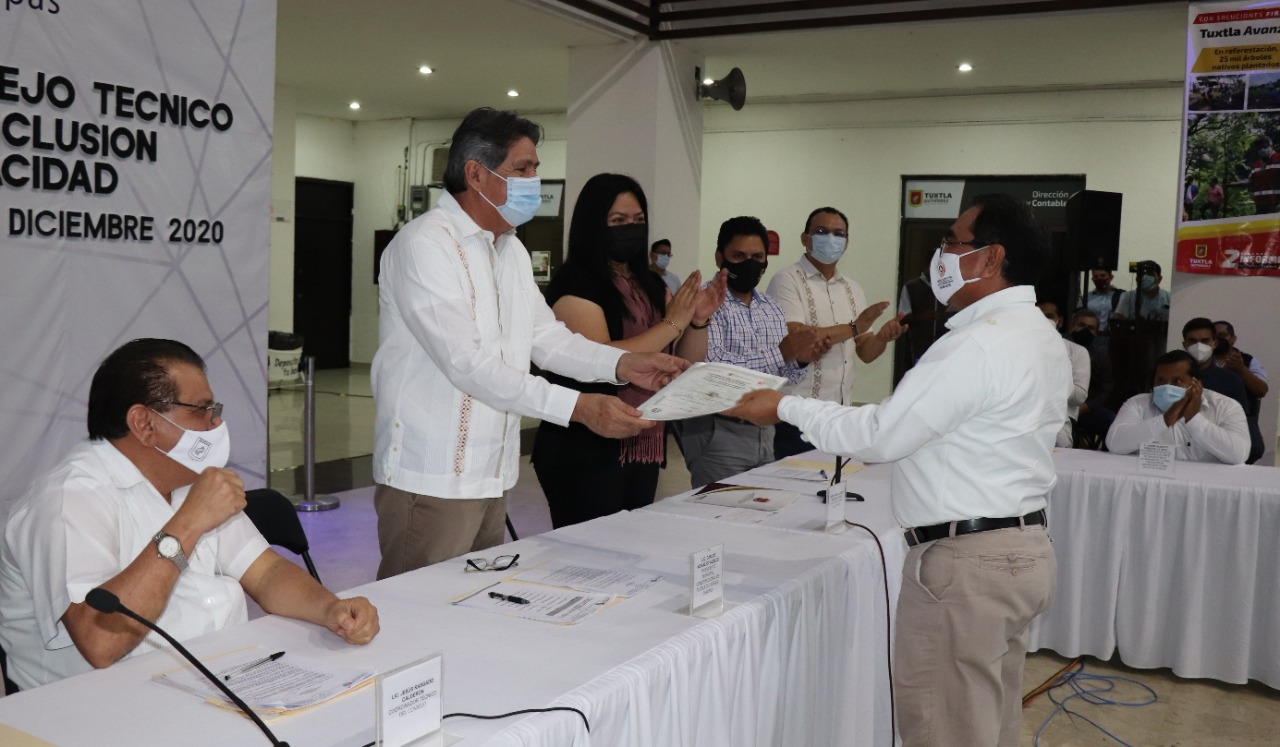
<point>1093,230</point>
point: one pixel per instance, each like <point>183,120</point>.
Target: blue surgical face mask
<point>524,197</point>
<point>662,260</point>
<point>827,248</point>
<point>1148,282</point>
<point>1166,396</point>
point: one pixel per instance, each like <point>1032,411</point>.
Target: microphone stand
<point>835,480</point>
<point>104,601</point>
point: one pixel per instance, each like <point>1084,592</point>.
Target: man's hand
<point>760,407</point>
<point>1234,362</point>
<point>1191,403</point>
<point>609,416</point>
<point>215,496</point>
<point>869,315</point>
<point>650,371</point>
<point>354,620</point>
<point>892,329</point>
<point>804,344</point>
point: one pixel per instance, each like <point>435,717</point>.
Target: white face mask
<point>197,450</point>
<point>1200,352</point>
<point>945,276</point>
<point>662,260</point>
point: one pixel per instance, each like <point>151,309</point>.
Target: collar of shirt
<point>124,473</point>
<point>1010,296</point>
<point>810,269</point>
<point>755,297</point>
<point>463,221</point>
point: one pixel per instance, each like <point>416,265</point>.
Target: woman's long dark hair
<point>589,235</point>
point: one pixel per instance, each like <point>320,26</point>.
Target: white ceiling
<point>331,52</point>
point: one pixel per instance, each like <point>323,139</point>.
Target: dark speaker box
<point>1093,230</point>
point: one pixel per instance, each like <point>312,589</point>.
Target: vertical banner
<point>135,179</point>
<point>1229,220</point>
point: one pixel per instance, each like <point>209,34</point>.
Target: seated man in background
<point>1203,426</point>
<point>145,509</point>
<point>1080,374</point>
<point>1198,340</point>
<point>1254,376</point>
<point>749,330</point>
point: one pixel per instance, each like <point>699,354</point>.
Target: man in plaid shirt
<point>749,330</point>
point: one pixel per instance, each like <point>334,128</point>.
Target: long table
<point>1174,572</point>
<point>798,657</point>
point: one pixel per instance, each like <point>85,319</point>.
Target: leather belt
<point>972,526</point>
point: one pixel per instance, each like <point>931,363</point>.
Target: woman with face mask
<point>606,292</point>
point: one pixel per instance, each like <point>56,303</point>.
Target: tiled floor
<point>1187,713</point>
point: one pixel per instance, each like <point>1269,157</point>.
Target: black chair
<point>275,516</point>
<point>9,686</point>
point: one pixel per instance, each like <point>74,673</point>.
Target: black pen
<point>253,664</point>
<point>508,598</point>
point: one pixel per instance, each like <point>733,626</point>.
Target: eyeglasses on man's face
<point>214,410</point>
<point>948,242</point>
<point>500,563</point>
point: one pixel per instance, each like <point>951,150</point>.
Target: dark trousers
<point>582,478</point>
<point>787,441</point>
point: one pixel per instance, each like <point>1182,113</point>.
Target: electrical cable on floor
<point>888,631</point>
<point>1075,664</point>
<point>516,713</point>
<point>1089,688</point>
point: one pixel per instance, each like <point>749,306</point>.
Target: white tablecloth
<point>797,660</point>
<point>1171,572</point>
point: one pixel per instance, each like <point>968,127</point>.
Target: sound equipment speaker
<point>1093,230</point>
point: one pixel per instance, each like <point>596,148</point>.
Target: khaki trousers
<point>961,635</point>
<point>420,530</point>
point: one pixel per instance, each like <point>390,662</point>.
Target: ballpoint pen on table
<point>508,598</point>
<point>253,664</point>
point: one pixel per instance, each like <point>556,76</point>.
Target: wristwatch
<point>168,546</point>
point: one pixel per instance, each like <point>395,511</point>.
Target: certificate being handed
<point>705,389</point>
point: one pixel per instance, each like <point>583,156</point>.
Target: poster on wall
<point>1229,215</point>
<point>135,170</point>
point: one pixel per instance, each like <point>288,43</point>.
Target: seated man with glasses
<point>145,509</point>
<point>813,293</point>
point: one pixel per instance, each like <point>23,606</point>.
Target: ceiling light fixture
<point>354,105</point>
<point>513,93</point>
<point>425,70</point>
<point>965,67</point>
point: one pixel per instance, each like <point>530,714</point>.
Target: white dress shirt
<point>1219,433</point>
<point>461,320</point>
<point>970,428</point>
<point>83,524</point>
<point>1081,372</point>
<point>809,298</point>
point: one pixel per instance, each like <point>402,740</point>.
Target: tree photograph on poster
<point>1232,166</point>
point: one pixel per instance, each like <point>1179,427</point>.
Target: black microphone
<point>104,601</point>
<point>849,495</point>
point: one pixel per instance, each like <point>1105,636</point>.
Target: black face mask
<point>1082,337</point>
<point>627,241</point>
<point>1222,347</point>
<point>744,276</point>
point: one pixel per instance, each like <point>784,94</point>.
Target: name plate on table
<point>410,705</point>
<point>706,582</point>
<point>1157,458</point>
<point>835,508</point>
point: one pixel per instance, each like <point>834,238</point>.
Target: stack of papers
<point>272,687</point>
<point>558,592</point>
<point>743,504</point>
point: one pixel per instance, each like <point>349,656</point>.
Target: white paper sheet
<point>705,389</point>
<point>611,581</point>
<point>746,497</point>
<point>288,683</point>
<point>545,603</point>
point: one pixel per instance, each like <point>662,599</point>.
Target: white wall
<point>325,148</point>
<point>780,162</point>
<point>280,280</point>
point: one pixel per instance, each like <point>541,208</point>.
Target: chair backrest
<point>275,516</point>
